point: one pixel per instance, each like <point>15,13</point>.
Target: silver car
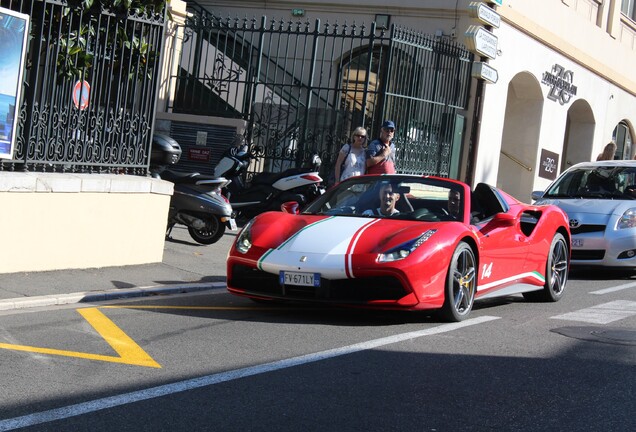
<point>600,200</point>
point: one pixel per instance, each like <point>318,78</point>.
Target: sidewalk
<point>186,267</point>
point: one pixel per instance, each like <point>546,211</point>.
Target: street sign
<point>81,91</point>
<point>484,71</point>
<point>481,41</point>
<point>484,13</point>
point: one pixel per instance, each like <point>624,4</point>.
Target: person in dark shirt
<point>381,151</point>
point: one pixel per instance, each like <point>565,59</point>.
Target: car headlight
<point>405,249</point>
<point>628,220</point>
<point>244,239</point>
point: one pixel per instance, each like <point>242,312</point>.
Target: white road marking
<point>602,314</point>
<point>614,289</point>
<point>168,389</point>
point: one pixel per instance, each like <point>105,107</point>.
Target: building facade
<point>563,89</point>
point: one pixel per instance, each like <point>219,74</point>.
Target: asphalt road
<point>211,361</point>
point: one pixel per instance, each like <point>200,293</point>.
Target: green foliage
<point>75,58</point>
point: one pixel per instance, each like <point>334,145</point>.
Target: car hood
<point>325,244</point>
<point>339,234</point>
<point>591,210</point>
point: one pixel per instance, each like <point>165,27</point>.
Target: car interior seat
<point>596,183</point>
<point>476,212</point>
<point>630,190</point>
<point>403,205</point>
<point>484,203</point>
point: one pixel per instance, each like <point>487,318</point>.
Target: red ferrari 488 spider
<point>403,242</point>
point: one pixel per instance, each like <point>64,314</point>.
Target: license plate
<point>577,243</point>
<point>301,279</point>
<point>232,224</point>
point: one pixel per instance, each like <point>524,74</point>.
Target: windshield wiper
<point>546,196</point>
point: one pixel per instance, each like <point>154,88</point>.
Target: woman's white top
<point>355,163</point>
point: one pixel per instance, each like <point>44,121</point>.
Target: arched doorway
<point>520,139</point>
<point>579,135</point>
<point>622,136</point>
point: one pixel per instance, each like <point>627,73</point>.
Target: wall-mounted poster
<point>14,29</point>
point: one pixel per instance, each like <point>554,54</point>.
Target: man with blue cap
<point>381,152</point>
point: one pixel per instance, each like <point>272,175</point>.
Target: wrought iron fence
<point>90,86</point>
<point>303,87</point>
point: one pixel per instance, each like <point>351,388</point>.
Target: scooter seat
<point>265,178</point>
<point>192,178</point>
<point>271,178</point>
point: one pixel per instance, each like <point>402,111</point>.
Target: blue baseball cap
<point>388,124</point>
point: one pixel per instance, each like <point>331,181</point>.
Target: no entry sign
<point>81,92</point>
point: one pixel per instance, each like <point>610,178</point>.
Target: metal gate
<point>304,87</point>
<point>90,86</point>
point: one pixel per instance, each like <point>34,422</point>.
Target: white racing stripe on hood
<point>331,235</point>
<point>323,245</point>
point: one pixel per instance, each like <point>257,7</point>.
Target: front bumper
<point>610,248</point>
<point>251,281</point>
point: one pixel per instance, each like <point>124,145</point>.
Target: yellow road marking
<point>220,308</point>
<point>129,352</point>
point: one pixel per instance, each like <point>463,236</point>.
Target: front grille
<point>254,281</point>
<point>591,254</point>
<point>587,229</point>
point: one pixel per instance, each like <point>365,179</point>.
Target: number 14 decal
<point>486,271</point>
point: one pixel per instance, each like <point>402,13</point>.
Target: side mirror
<point>505,219</point>
<point>537,195</point>
<point>291,207</point>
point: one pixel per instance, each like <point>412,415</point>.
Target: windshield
<point>397,197</point>
<point>605,182</point>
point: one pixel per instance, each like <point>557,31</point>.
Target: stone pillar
<point>172,53</point>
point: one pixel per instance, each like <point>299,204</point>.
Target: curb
<point>98,296</point>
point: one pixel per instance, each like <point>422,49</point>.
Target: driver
<point>388,199</point>
<point>454,203</point>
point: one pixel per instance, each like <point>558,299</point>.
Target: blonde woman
<point>351,159</point>
<point>608,152</point>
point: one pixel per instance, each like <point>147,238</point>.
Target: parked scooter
<point>197,201</point>
<point>267,191</point>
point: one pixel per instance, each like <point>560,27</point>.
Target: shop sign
<point>484,71</point>
<point>481,41</point>
<point>484,13</point>
<point>561,84</point>
<point>199,154</point>
<point>549,165</point>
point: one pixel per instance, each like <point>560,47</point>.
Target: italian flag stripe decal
<point>261,259</point>
<point>352,245</point>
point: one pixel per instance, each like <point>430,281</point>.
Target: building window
<point>623,139</point>
<point>627,8</point>
<point>382,21</point>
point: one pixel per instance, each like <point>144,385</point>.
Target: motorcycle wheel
<point>213,231</point>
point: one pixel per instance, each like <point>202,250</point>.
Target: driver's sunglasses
<point>389,129</point>
<point>360,136</point>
